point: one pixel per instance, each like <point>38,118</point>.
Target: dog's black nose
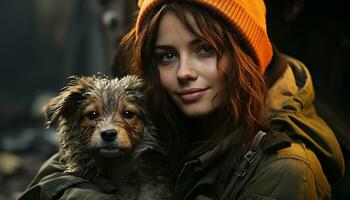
<point>109,135</point>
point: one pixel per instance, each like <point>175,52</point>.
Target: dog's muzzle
<point>109,148</point>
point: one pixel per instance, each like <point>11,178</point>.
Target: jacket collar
<point>274,141</point>
<point>221,149</point>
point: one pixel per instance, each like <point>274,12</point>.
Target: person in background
<point>235,114</point>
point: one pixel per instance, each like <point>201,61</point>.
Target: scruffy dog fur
<point>105,132</point>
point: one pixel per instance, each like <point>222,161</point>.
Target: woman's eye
<point>128,114</point>
<point>206,51</point>
<point>165,58</point>
<point>92,115</point>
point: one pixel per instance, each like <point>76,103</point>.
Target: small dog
<point>105,131</point>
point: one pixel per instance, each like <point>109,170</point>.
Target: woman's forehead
<point>170,25</point>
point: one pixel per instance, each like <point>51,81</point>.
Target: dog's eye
<point>128,114</point>
<point>92,115</point>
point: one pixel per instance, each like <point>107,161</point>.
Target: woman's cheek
<point>167,79</point>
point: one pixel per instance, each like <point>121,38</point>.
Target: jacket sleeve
<point>52,183</point>
<point>294,174</point>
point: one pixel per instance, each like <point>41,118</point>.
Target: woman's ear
<point>65,104</point>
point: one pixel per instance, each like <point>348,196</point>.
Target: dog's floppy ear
<point>65,103</point>
<point>132,83</point>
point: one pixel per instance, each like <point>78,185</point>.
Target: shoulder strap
<point>248,160</point>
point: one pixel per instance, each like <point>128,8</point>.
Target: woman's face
<point>188,68</point>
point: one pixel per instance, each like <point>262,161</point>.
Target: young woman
<point>235,115</point>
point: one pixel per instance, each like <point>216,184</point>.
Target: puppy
<point>105,133</point>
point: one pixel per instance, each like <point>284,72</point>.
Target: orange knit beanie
<point>247,17</point>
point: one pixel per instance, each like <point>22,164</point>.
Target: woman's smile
<point>192,95</point>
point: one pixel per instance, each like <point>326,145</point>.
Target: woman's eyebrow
<point>163,47</point>
<point>195,42</point>
<point>191,43</point>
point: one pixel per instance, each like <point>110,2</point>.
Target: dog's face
<point>104,117</point>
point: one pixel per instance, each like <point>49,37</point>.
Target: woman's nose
<point>186,70</point>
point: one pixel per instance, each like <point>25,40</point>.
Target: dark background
<point>42,42</point>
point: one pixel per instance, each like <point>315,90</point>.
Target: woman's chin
<point>197,112</point>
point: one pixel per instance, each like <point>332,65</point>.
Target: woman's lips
<point>191,94</point>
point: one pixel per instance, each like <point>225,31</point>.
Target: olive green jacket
<point>298,162</point>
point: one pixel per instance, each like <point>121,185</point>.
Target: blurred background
<point>42,42</point>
